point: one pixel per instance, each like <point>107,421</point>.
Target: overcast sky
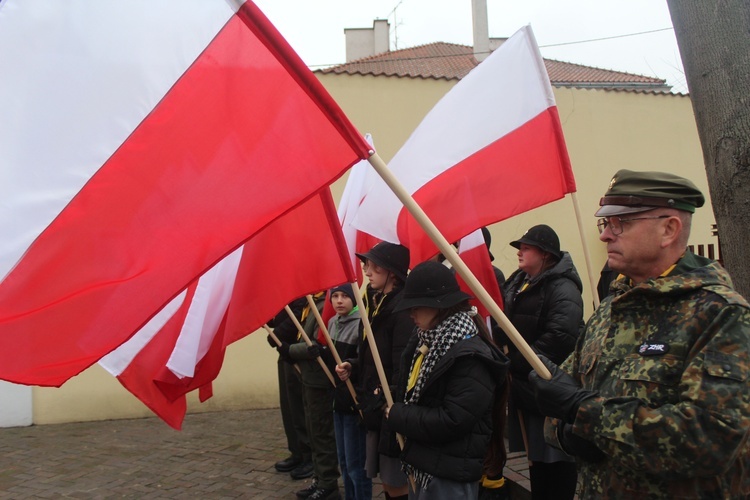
<point>316,29</point>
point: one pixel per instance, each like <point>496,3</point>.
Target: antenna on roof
<point>395,24</point>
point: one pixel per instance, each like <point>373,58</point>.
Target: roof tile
<point>440,60</point>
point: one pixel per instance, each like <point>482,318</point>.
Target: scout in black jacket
<point>450,376</point>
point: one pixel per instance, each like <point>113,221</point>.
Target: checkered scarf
<point>439,340</point>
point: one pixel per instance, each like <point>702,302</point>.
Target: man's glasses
<point>615,223</point>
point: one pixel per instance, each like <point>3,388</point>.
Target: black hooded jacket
<point>548,313</point>
<point>448,430</point>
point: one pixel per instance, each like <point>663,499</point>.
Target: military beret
<point>631,192</point>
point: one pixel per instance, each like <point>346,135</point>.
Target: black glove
<point>578,446</point>
<point>284,352</point>
<point>313,351</point>
<point>271,341</point>
<point>560,396</point>
<point>372,402</point>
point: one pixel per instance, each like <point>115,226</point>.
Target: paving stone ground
<point>215,456</point>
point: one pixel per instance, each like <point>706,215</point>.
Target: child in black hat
<point>451,413</point>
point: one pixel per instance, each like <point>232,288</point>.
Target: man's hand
<point>577,446</point>
<point>560,396</point>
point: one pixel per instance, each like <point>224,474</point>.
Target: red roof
<point>450,61</point>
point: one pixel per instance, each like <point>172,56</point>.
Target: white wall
<point>15,405</point>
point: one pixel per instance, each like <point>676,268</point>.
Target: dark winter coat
<point>392,331</point>
<point>448,431</point>
<point>548,313</point>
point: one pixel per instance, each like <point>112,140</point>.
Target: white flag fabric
<point>491,148</point>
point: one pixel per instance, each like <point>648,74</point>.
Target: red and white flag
<point>491,148</point>
<point>354,192</point>
<point>475,254</point>
<point>183,346</point>
<point>141,143</point>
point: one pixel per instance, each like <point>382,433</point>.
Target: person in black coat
<point>450,376</point>
<point>543,301</point>
<point>386,266</point>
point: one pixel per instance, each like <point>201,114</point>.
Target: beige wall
<point>247,380</point>
<point>604,131</point>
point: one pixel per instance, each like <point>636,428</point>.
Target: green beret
<point>631,192</point>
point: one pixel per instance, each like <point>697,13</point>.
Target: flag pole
<point>278,343</point>
<point>450,253</point>
<point>586,255</point>
<point>332,347</point>
<point>309,343</point>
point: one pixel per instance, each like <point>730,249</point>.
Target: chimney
<point>481,29</point>
<point>364,42</point>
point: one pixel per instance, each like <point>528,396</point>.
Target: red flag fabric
<point>300,253</point>
<point>491,148</point>
<point>145,151</point>
<point>476,256</point>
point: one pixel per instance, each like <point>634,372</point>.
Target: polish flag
<point>473,251</point>
<point>491,148</point>
<point>182,348</point>
<point>142,142</point>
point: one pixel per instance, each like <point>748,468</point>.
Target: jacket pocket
<point>723,365</point>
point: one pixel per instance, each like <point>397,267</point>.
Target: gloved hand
<point>560,396</point>
<point>284,352</point>
<point>372,402</point>
<point>271,341</point>
<point>578,446</point>
<point>313,350</point>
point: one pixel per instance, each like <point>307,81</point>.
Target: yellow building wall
<point>604,131</point>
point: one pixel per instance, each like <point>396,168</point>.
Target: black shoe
<point>325,494</point>
<point>302,471</point>
<point>309,490</point>
<point>288,464</point>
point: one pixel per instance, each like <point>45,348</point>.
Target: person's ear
<point>671,231</point>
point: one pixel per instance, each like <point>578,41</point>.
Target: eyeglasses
<point>615,223</point>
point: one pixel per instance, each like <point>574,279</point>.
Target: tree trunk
<point>714,41</point>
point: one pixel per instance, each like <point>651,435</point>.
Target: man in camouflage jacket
<point>655,400</point>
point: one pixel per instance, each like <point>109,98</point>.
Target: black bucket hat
<point>431,284</point>
<point>542,237</point>
<point>389,256</point>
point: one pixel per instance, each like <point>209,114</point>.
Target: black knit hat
<point>431,284</point>
<point>542,237</point>
<point>389,256</point>
<point>346,289</point>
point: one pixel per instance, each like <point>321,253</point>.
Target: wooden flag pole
<point>450,253</point>
<point>278,343</point>
<point>586,255</point>
<point>309,343</point>
<point>332,347</point>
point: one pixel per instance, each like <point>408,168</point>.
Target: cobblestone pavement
<point>216,455</point>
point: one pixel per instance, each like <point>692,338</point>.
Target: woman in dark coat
<point>451,373</point>
<point>543,301</point>
<point>385,266</point>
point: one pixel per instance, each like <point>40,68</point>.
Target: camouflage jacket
<point>670,359</point>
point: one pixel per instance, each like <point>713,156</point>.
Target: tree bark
<point>714,41</point>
